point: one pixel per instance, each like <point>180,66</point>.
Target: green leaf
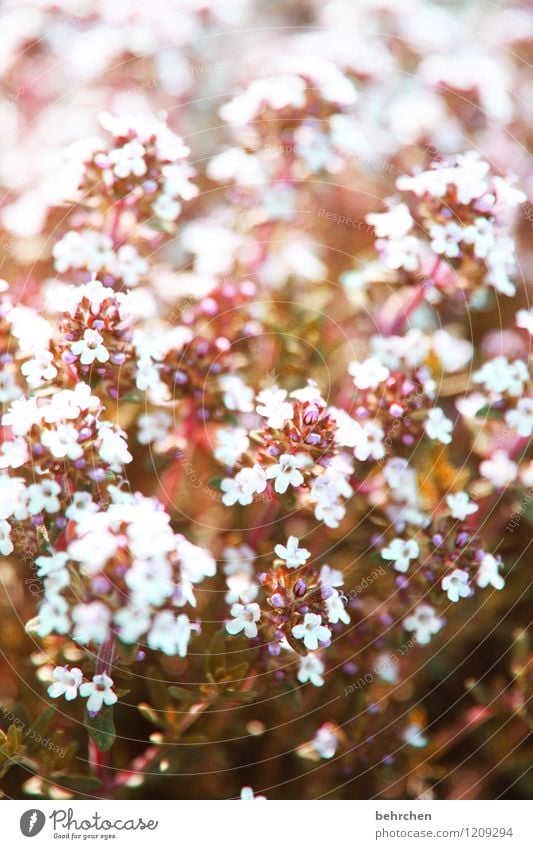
<point>43,721</point>
<point>216,656</point>
<point>102,728</point>
<point>181,694</point>
<point>488,412</point>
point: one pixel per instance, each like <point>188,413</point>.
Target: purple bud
<point>313,439</point>
<point>277,600</point>
<point>98,324</point>
<point>463,539</point>
<point>118,358</point>
<point>80,463</point>
<point>437,539</point>
<point>300,588</point>
<point>350,668</point>
<point>311,415</point>
<point>61,522</point>
<point>68,357</point>
<point>140,655</point>
<point>180,377</point>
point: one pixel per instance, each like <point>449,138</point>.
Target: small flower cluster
<point>301,605</point>
<point>144,167</point>
<point>462,210</point>
<point>125,573</point>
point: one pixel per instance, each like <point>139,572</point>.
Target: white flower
<point>245,617</point>
<point>66,682</point>
<point>6,546</point>
<point>401,551</point>
<point>336,609</point>
<point>238,559</point>
<point>368,374</point>
<point>456,585</point>
<point>22,415</point>
<point>53,617</point>
<point>524,319</point>
<point>311,631</point>
<point>43,496</point>
<point>311,669</point>
<point>349,433</point>
<point>150,581</point>
<point>196,562</point>
<point>170,633</point>
<point>325,741</point>
<point>177,183</point>
<point>331,514</point>
<point>292,554</point>
<point>438,427</point>
<point>488,573</point>
<point>237,396</point>
<point>330,577</point>
<point>445,239</point>
<point>91,622</point>
<point>98,692</point>
<point>424,622</point>
<point>480,234</point>
<point>242,488</point>
<point>232,443</point>
<point>14,453</point>
<point>90,348</point>
<point>128,160</point>
<point>521,419</point>
<point>48,565</point>
<point>247,795</point>
<point>39,369</point>
<point>400,253</point>
<point>461,506</point>
<point>372,444</point>
<point>128,265</point>
<point>499,375</point>
<point>287,471</point>
<point>394,224</point>
<point>272,404</point>
<point>500,470</point>
<point>81,504</point>
<point>153,427</point>
<point>166,207</point>
<point>63,442</point>
<point>113,447</point>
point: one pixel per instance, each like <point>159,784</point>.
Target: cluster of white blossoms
<point>144,166</point>
<point>136,574</point>
<point>69,683</point>
<point>463,211</point>
<point>64,427</point>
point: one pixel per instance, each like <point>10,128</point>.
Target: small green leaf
<point>181,694</point>
<point>102,728</point>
